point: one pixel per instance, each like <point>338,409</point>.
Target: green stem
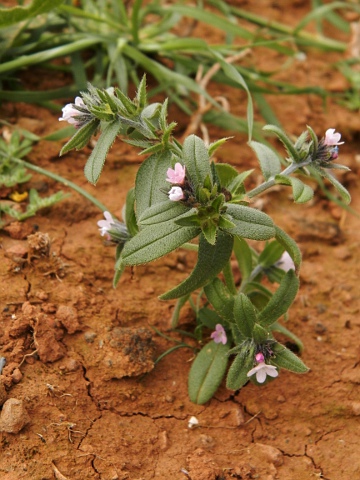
<point>258,269</point>
<point>271,182</point>
<point>190,246</point>
<point>57,178</point>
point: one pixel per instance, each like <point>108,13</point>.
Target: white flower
<point>69,112</point>
<point>285,262</point>
<point>261,370</point>
<point>192,422</point>
<point>176,194</point>
<point>106,225</point>
<point>332,138</point>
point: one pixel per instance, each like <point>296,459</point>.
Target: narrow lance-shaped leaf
<point>244,314</point>
<point>211,260</point>
<point>176,313</point>
<point>269,161</point>
<point>220,298</point>
<point>243,256</point>
<point>290,245</point>
<point>81,136</point>
<point>162,212</point>
<point>151,181</point>
<point>250,223</point>
<point>285,140</point>
<point>96,161</point>
<point>345,195</point>
<point>196,160</point>
<point>18,14</point>
<point>207,372</point>
<point>285,358</point>
<point>129,213</point>
<point>281,299</point>
<point>155,241</point>
<point>237,375</point>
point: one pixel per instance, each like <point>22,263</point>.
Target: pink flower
<point>219,335</point>
<point>106,225</point>
<point>332,138</point>
<point>176,175</point>
<point>70,112</point>
<point>262,370</point>
<point>176,194</point>
<point>259,357</point>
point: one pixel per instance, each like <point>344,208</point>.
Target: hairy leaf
<point>211,260</point>
<point>155,241</point>
<point>95,163</point>
<point>207,372</point>
<point>250,223</point>
<point>281,299</point>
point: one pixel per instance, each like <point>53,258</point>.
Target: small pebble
<point>16,375</point>
<point>90,337</point>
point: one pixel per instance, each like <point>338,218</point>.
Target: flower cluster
<point>112,229</point>
<point>176,176</point>
<point>76,114</point>
<point>329,148</point>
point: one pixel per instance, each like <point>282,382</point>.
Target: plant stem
<point>229,278</point>
<point>271,182</point>
<point>62,180</point>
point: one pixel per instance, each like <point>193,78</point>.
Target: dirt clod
<point>13,416</point>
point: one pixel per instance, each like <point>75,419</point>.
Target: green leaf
<point>209,318</point>
<point>162,212</point>
<point>207,372</point>
<point>96,161</point>
<point>250,223</point>
<point>260,334</point>
<point>269,161</point>
<point>155,241</point>
<point>129,213</point>
<point>285,140</point>
<point>285,358</point>
<point>271,254</point>
<point>231,72</point>
<point>345,195</point>
<point>9,16</point>
<point>290,245</point>
<point>81,137</point>
<point>151,181</point>
<point>244,314</point>
<point>243,256</point>
<point>220,298</point>
<point>209,231</point>
<point>226,173</point>
<point>211,260</point>
<point>196,160</point>
<point>281,299</point>
<point>302,193</point>
<point>278,327</point>
<point>176,313</point>
<point>237,375</point>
